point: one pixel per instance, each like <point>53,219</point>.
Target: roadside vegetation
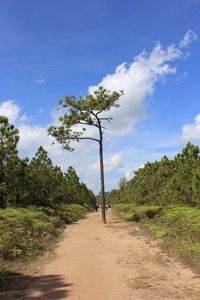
<point>178,227</point>
<point>164,196</point>
<point>37,199</point>
<point>27,232</point>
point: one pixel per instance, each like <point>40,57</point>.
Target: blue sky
<point>50,49</point>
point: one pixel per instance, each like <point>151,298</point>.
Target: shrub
<point>25,232</point>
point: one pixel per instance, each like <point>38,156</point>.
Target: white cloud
<point>189,37</point>
<point>39,81</point>
<point>10,110</point>
<point>137,80</point>
<point>31,137</point>
<point>192,131</point>
<point>113,163</point>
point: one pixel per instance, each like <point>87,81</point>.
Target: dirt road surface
<point>115,261</point>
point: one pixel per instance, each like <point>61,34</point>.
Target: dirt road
<point>110,262</point>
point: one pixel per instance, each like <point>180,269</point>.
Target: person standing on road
<point>95,207</point>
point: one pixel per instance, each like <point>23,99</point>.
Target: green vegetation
<point>36,182</point>
<point>165,182</point>
<point>26,232</point>
<point>178,226</point>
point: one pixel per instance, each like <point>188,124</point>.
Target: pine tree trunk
<point>102,180</point>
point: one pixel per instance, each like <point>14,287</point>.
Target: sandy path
<point>114,261</point>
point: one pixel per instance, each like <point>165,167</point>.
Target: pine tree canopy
<point>82,112</point>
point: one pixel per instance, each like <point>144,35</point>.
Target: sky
<point>150,49</point>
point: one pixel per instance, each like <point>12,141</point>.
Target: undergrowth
<point>26,232</point>
<point>178,226</point>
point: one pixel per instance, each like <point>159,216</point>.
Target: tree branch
<point>91,112</point>
<point>88,124</point>
<point>99,112</point>
<point>109,119</point>
<point>84,138</point>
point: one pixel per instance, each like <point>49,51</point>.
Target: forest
<point>164,182</point>
<point>38,182</point>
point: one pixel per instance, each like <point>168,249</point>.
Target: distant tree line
<point>37,181</point>
<point>165,182</point>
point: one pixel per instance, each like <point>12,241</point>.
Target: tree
<point>40,178</point>
<point>73,185</point>
<point>86,195</point>
<point>20,183</point>
<point>164,182</point>
<point>14,181</point>
<point>122,183</point>
<point>8,150</point>
<point>84,112</point>
<point>196,188</point>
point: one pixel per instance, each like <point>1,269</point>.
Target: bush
<point>25,232</point>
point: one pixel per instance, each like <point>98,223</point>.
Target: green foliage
<point>83,112</point>
<point>156,230</point>
<point>25,232</point>
<point>8,156</point>
<point>166,182</point>
<point>196,186</point>
<point>38,182</point>
<point>136,213</point>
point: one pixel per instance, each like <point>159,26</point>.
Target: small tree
<point>40,178</point>
<point>86,112</point>
<point>9,137</point>
<point>196,188</point>
<point>73,185</point>
<point>123,183</point>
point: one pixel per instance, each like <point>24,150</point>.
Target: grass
<point>177,226</point>
<point>26,232</point>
